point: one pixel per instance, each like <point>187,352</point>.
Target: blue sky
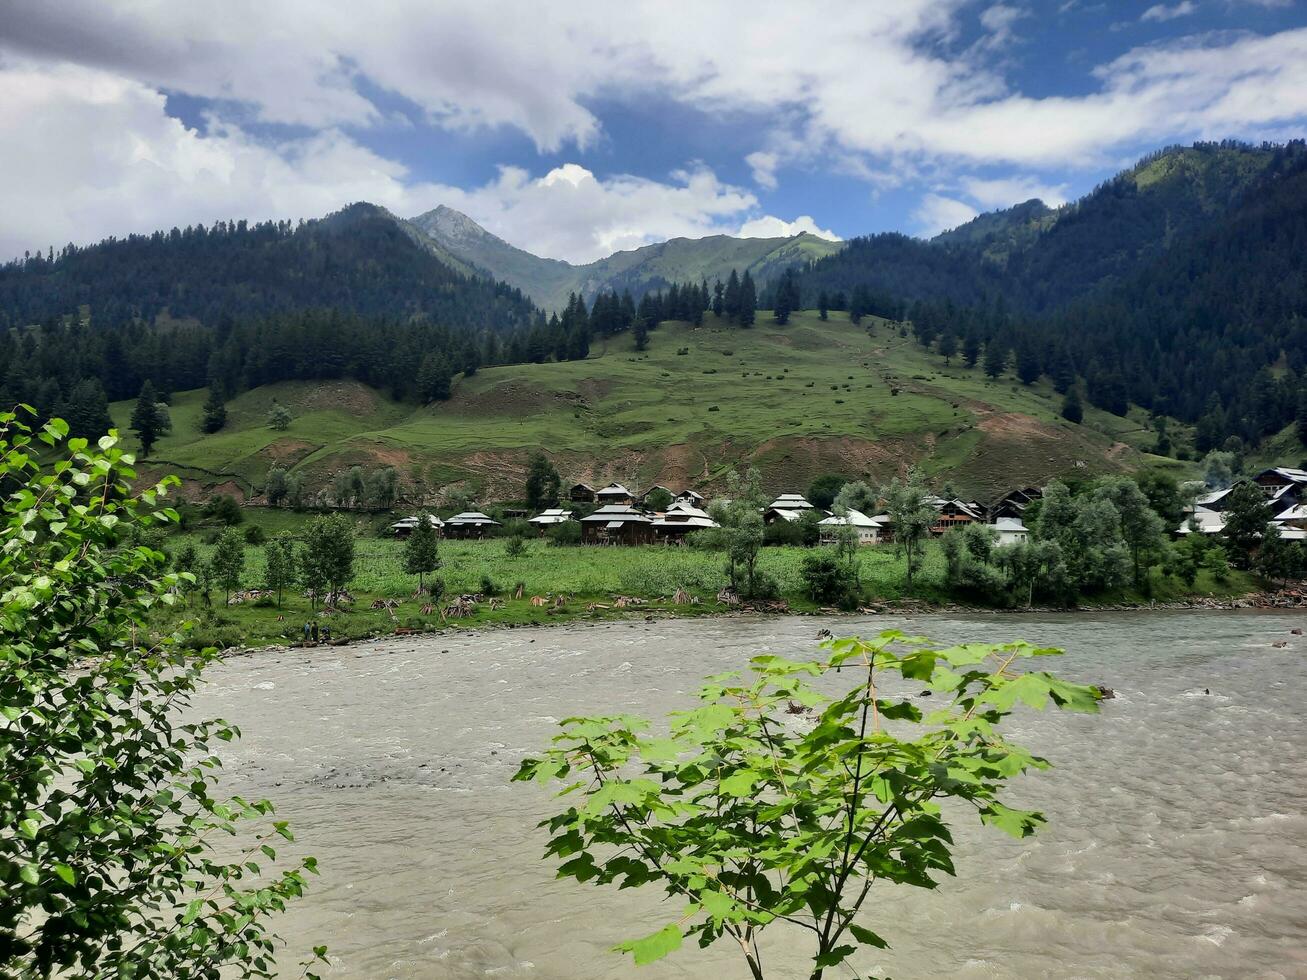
<point>583,127</point>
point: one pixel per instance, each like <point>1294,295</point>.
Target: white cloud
<point>872,88</point>
<point>1161,12</point>
<point>763,163</point>
<point>1002,192</point>
<point>938,213</point>
<point>770,227</point>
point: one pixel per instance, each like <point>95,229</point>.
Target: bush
<point>515,548</point>
<point>829,581</point>
<point>224,509</point>
<point>567,533</point>
<point>488,586</point>
<point>255,535</point>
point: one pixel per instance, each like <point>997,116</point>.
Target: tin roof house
<point>617,524</point>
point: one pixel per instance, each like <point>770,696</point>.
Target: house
<point>1203,521</point>
<point>1013,503</point>
<point>871,530</point>
<point>617,524</point>
<point>407,525</point>
<point>616,494</point>
<point>786,507</point>
<point>679,521</point>
<point>1010,530</point>
<point>1215,500</point>
<point>547,519</point>
<point>1295,516</point>
<point>953,513</point>
<point>470,524</point>
<point>581,493</point>
<point>689,497</point>
<point>1283,483</point>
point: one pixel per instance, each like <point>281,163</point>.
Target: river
<point>1176,844</point>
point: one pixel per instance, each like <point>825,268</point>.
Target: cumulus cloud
<point>1161,12</point>
<point>770,227</point>
<point>938,213</point>
<point>1002,192</point>
<point>859,87</point>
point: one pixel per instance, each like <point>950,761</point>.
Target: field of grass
<point>585,576</point>
<point>798,401</point>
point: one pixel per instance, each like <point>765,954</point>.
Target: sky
<point>578,128</point>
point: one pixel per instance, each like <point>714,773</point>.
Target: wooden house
<point>547,519</point>
<point>581,493</point>
<point>470,524</point>
<point>679,521</point>
<point>407,525</point>
<point>786,507</point>
<point>954,513</point>
<point>690,497</point>
<point>1013,503</point>
<point>1283,485</point>
<point>614,494</point>
<point>617,524</point>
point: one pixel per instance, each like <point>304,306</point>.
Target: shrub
<point>515,548</point>
<point>829,581</point>
<point>567,533</point>
<point>255,535</point>
<point>488,586</point>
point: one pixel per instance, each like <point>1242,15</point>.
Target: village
<point>615,515</point>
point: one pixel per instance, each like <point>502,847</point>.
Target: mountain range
<point>549,282</point>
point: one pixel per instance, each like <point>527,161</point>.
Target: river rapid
<point>1176,844</point>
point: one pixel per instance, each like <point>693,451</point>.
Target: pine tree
<point>1027,363</point>
<point>145,418</point>
<point>970,349</point>
<point>422,550</point>
<point>433,379</point>
<point>1072,410</point>
<point>748,301</point>
<point>215,410</point>
<point>1302,414</point>
<point>543,484</point>
<point>995,358</point>
<point>732,300</point>
<point>948,346</point>
<point>87,410</point>
<point>823,306</point>
<point>718,302</point>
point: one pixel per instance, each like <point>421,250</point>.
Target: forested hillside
<point>1178,286</point>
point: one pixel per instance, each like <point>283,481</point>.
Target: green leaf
<point>654,946</point>
<point>65,873</point>
<point>739,784</point>
<point>867,937</point>
<point>29,874</point>
<point>835,956</point>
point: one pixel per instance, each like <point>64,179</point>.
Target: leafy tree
<point>829,580</point>
<point>327,560</point>
<point>1032,566</point>
<point>969,553</point>
<point>382,487</point>
<point>280,565</point>
<point>214,416</point>
<point>911,517</point>
<point>658,500</point>
<point>1072,410</point>
<point>1279,560</point>
<point>822,490</point>
<point>422,550</point>
<point>1164,496</point>
<point>228,561</point>
<point>279,417</point>
<point>1246,521</point>
<point>740,534</point>
<point>856,495</point>
<point>748,820</point>
<point>275,487</point>
<point>186,560</point>
<point>543,484</point>
<point>1087,531</point>
<point>148,419</point>
<point>295,491</point>
<point>108,813</point>
<point>1142,529</point>
<point>223,508</point>
<point>948,346</point>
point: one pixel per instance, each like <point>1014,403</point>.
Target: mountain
<point>653,267</point>
<point>361,259</point>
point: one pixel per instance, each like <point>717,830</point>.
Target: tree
<point>275,487</point>
<point>86,410</point>
<point>1028,367</point>
<point>969,553</point>
<point>434,378</point>
<point>1072,410</point>
<point>822,490</point>
<point>228,561</point>
<point>422,550</point>
<point>214,415</point>
<point>748,300</point>
<point>1246,521</point>
<point>856,495</point>
<point>641,334</point>
<point>747,819</point>
<point>327,560</point>
<point>970,349</point>
<point>382,487</point>
<point>1218,469</point>
<point>1302,414</point>
<point>1142,529</point>
<point>1279,560</point>
<point>787,296</point>
<point>1164,496</point>
<point>658,500</point>
<point>823,306</point>
<point>995,358</point>
<point>911,517</point>
<point>279,417</point>
<point>948,346</point>
<point>1087,532</point>
<point>829,580</point>
<point>543,484</point>
<point>146,421</point>
<point>109,816</point>
<point>280,566</point>
<point>740,534</point>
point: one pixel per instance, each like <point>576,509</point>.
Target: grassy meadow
<point>798,401</point>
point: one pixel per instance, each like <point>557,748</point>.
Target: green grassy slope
<point>798,401</point>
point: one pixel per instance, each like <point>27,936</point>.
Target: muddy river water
<point>1176,844</point>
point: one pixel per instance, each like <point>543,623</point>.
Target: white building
<point>1010,530</point>
<point>871,530</point>
<point>407,525</point>
<point>786,507</point>
<point>548,518</point>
